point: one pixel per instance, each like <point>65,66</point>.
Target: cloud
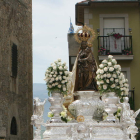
<point>51,21</point>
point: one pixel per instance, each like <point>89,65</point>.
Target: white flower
<point>116,80</point>
<point>52,79</point>
<point>60,78</point>
<point>52,64</point>
<point>64,63</point>
<point>110,56</point>
<point>111,69</point>
<point>54,75</point>
<point>98,71</point>
<point>64,89</point>
<point>109,64</point>
<point>113,86</point>
<point>63,114</point>
<point>104,61</point>
<point>102,82</point>
<point>69,118</point>
<point>116,66</point>
<point>59,63</point>
<point>120,82</point>
<point>59,86</point>
<point>102,76</point>
<point>122,93</point>
<point>56,72</point>
<point>105,69</point>
<point>56,83</point>
<point>65,67</point>
<point>56,78</point>
<point>119,114</point>
<point>61,73</point>
<point>114,75</point>
<point>50,114</point>
<point>52,72</point>
<point>62,81</point>
<point>107,81</point>
<point>101,71</point>
<point>119,108</point>
<point>108,75</point>
<point>101,65</point>
<point>53,85</point>
<point>98,76</point>
<point>98,83</point>
<point>50,86</point>
<point>105,75</point>
<point>111,79</point>
<point>59,60</point>
<point>118,72</point>
<point>126,80</point>
<point>50,75</point>
<point>54,67</point>
<point>66,72</point>
<point>60,68</point>
<point>104,86</point>
<point>114,61</point>
<point>64,77</point>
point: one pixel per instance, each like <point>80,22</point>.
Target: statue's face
<point>84,45</point>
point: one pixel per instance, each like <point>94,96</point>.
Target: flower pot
<point>56,101</point>
<point>110,99</point>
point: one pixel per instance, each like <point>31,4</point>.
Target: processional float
<point>89,103</point>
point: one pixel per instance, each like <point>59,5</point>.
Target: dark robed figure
<point>86,69</point>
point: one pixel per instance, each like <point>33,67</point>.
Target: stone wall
<point>16,27</point>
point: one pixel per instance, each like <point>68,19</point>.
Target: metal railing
<point>110,45</point>
<point>131,99</point>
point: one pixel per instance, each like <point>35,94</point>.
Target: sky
<point>51,22</point>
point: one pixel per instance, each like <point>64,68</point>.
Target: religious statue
<point>39,107</point>
<point>37,117</point>
<point>85,63</point>
<point>126,113</point>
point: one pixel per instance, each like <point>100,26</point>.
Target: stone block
<point>2,132</point>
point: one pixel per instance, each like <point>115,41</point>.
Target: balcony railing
<point>110,45</point>
<point>131,99</point>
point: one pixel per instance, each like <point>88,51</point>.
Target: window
<point>13,129</point>
<point>14,60</point>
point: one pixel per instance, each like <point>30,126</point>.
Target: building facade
<point>15,69</point>
<point>107,18</point>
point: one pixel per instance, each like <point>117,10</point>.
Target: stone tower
<point>15,69</point>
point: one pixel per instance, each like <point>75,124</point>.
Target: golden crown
<point>84,36</point>
<point>87,35</point>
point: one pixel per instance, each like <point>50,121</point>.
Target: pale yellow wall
<point>134,23</point>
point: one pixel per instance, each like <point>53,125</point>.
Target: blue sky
<point>51,21</point>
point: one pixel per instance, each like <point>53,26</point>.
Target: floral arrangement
<point>118,113</point>
<point>101,50</point>
<point>127,51</point>
<point>63,114</point>
<point>110,79</point>
<point>57,77</point>
<point>116,35</point>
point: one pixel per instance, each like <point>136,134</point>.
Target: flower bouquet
<point>116,35</point>
<point>127,51</point>
<point>63,114</point>
<point>57,77</point>
<point>101,50</point>
<point>110,79</point>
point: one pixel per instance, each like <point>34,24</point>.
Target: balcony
<point>120,48</point>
